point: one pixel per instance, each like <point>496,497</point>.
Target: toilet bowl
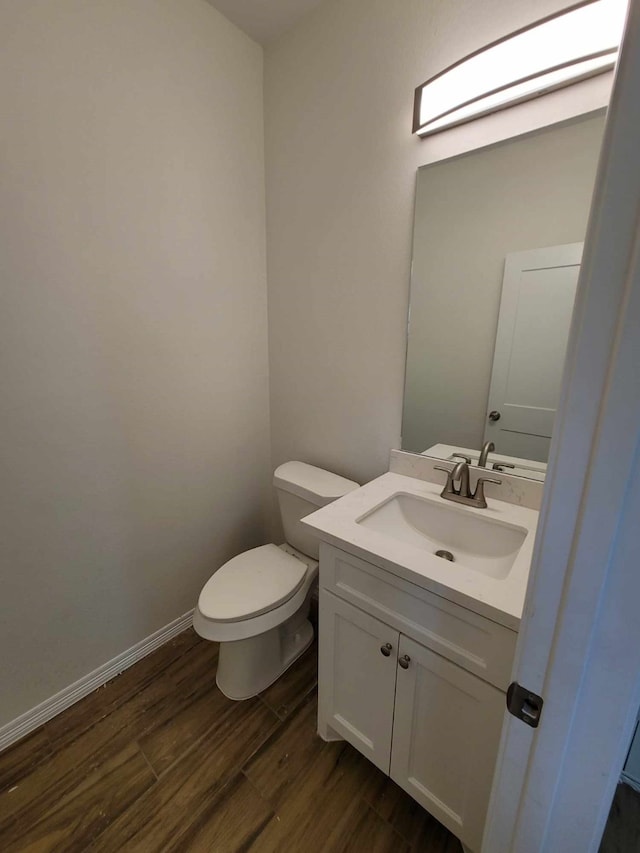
<point>257,604</point>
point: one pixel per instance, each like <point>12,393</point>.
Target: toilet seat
<point>251,584</point>
<point>228,631</point>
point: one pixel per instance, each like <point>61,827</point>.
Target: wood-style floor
<point>622,833</point>
<point>159,759</point>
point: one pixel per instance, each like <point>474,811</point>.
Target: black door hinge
<point>524,704</point>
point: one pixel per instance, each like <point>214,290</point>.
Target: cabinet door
<point>357,677</point>
<point>446,731</point>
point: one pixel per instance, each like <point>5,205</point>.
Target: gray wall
<point>341,165</point>
<point>133,326</point>
<point>471,212</point>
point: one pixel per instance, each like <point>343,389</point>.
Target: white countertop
<point>498,599</point>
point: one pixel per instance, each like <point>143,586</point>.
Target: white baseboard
<point>631,781</point>
<point>27,722</point>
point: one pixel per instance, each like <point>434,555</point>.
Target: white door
<point>538,292</point>
<point>579,639</point>
<point>357,677</point>
<point>446,731</point>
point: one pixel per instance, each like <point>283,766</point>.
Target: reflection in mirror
<point>497,245</point>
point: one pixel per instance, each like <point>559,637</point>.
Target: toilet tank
<point>302,489</point>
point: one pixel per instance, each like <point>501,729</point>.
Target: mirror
<point>497,245</point>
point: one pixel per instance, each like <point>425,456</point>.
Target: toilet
<point>257,604</point>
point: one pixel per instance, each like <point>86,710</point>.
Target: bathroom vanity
<point>416,650</point>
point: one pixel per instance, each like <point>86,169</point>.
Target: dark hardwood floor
<point>622,833</point>
<point>159,760</point>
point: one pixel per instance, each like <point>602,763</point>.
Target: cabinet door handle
<point>386,649</point>
<point>404,661</point>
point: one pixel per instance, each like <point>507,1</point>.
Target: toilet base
<point>247,667</point>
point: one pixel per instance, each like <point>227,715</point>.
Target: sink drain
<point>446,555</point>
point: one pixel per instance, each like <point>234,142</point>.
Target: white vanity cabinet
<point>446,731</point>
<point>358,661</point>
<point>416,684</point>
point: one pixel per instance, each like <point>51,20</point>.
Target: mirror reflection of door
<point>536,305</point>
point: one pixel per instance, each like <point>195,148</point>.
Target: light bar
<point>557,51</point>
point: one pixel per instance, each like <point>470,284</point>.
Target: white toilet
<point>257,604</point>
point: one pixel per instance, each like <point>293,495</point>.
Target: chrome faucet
<point>460,471</point>
<point>463,494</point>
<point>487,448</point>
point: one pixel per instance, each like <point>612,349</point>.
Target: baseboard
<point>27,722</point>
<point>631,781</point>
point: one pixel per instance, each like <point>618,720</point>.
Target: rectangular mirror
<point>497,245</point>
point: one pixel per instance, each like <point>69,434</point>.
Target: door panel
<point>356,682</point>
<point>447,725</point>
<point>536,307</point>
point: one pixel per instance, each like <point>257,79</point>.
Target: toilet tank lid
<point>316,485</point>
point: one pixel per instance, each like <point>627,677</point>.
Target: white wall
<point>470,213</point>
<point>134,451</point>
<point>341,165</point>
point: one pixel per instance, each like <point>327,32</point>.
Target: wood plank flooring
<point>159,760</point>
<point>622,832</point>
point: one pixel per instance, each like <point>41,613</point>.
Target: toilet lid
<point>252,583</point>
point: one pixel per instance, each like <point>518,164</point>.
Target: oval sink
<point>485,545</point>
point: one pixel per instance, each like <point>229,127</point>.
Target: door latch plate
<point>524,704</point>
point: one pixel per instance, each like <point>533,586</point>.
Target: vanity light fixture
<point>579,42</point>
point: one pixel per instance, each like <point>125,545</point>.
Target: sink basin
<point>464,538</point>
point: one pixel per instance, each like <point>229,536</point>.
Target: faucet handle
<point>467,459</point>
<point>449,488</point>
<point>500,466</point>
<point>478,495</point>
